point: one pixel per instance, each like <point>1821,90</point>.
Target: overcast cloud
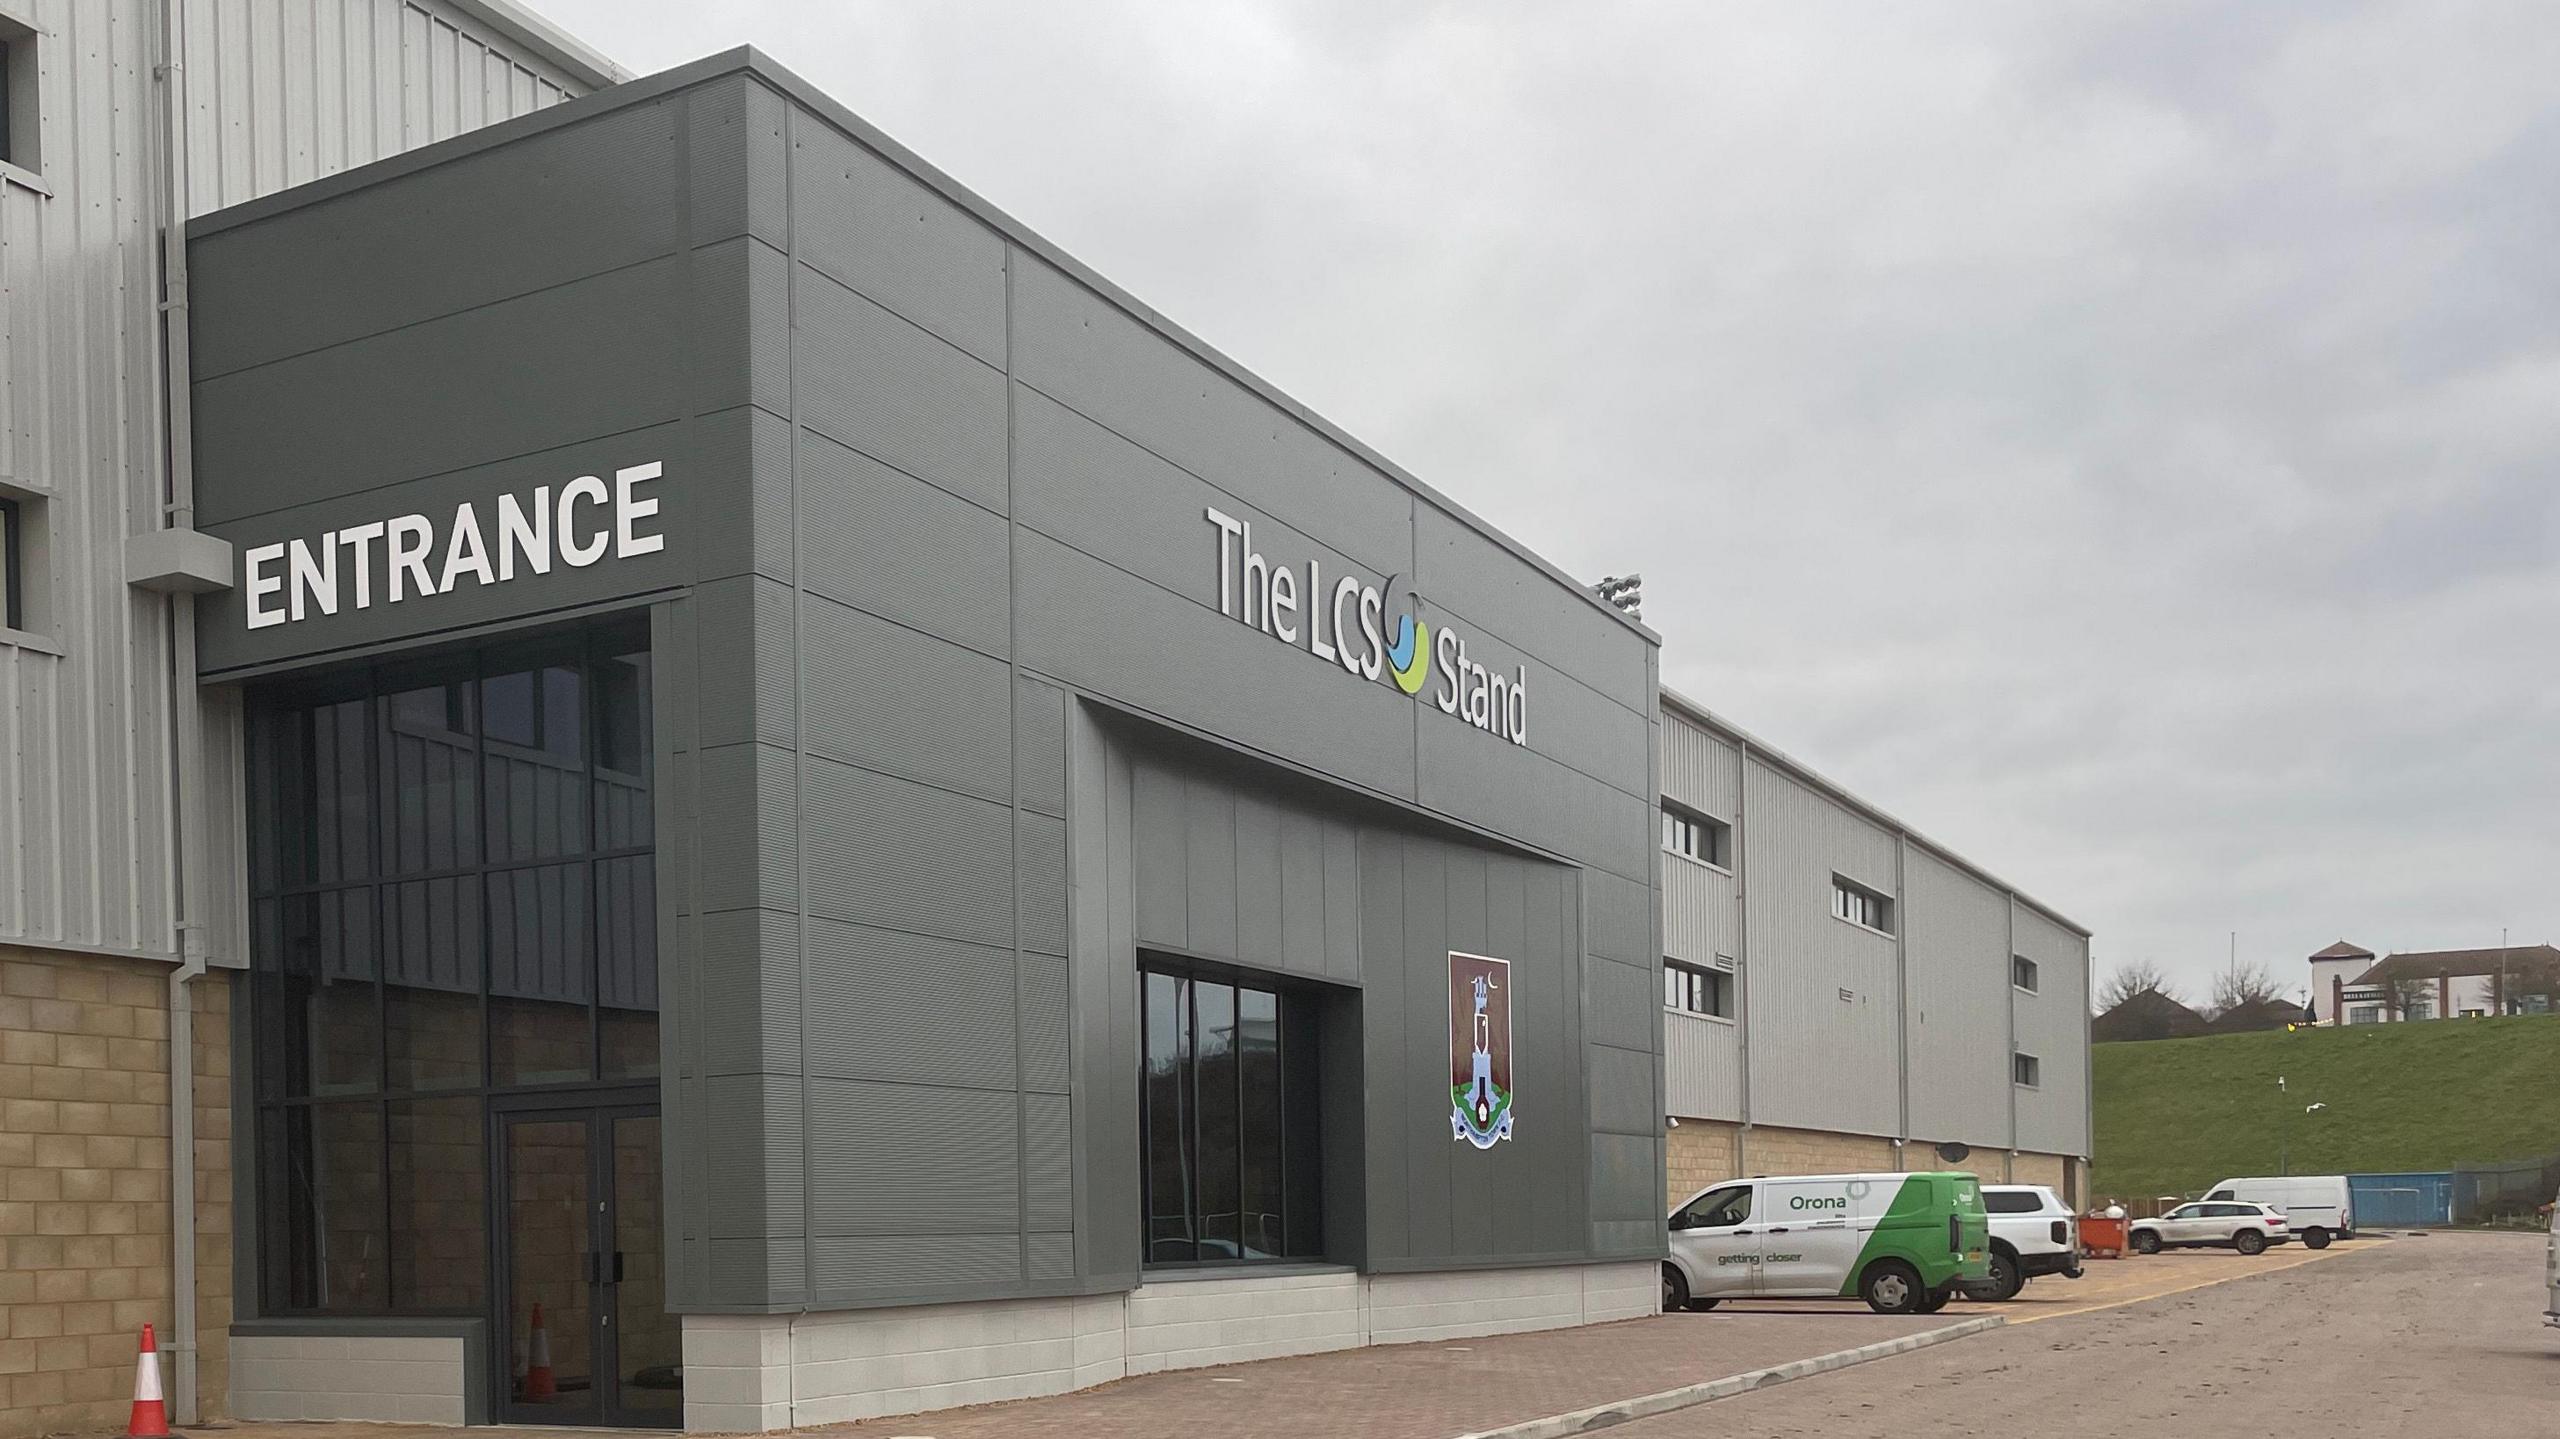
<point>2117,438</point>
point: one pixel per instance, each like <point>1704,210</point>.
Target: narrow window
<point>2026,1069</point>
<point>2022,972</point>
<point>18,113</point>
<point>1696,989</point>
<point>11,615</point>
<point>1860,905</point>
<point>1692,835</point>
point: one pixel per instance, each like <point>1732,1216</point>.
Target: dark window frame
<point>1298,1135</point>
<point>2026,1069</point>
<point>1683,982</point>
<point>2025,974</point>
<point>590,646</point>
<point>1694,834</point>
<point>12,524</point>
<point>1847,894</point>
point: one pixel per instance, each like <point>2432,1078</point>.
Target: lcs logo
<point>1409,653</point>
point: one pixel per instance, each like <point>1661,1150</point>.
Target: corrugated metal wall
<point>280,91</point>
<point>1956,964</point>
<point>2053,1025</point>
<point>1822,994</point>
<point>1903,1034</point>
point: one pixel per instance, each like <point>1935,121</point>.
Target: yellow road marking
<point>2017,1316</point>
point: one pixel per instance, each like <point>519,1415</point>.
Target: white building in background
<point>2350,986</point>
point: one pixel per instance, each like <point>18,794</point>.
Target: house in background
<point>2256,1016</point>
<point>2435,984</point>
<point>2148,1015</point>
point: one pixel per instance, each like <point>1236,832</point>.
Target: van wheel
<point>2315,1238</point>
<point>1937,1299</point>
<point>1892,1287</point>
<point>2006,1281</point>
<point>1675,1291</point>
<point>2146,1241</point>
<point>2249,1241</point>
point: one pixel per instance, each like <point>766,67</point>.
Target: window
<point>1694,989</point>
<point>18,114</point>
<point>1716,1209</point>
<point>2026,1069</point>
<point>1227,1087</point>
<point>437,916</point>
<point>2475,1013</point>
<point>2365,1014</point>
<point>1860,905</point>
<point>2022,972</point>
<point>1693,835</point>
<point>2221,1194</point>
<point>9,601</point>
<point>2012,1201</point>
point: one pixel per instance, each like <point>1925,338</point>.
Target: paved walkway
<point>1436,1391</point>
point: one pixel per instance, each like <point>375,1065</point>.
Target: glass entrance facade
<point>452,908</point>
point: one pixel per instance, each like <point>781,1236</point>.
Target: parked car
<point>2032,1232</point>
<point>2551,1271</point>
<point>2318,1206</point>
<point>1901,1242</point>
<point>2249,1228</point>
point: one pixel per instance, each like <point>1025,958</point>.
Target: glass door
<point>585,1335</point>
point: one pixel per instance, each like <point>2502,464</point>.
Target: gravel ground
<point>2411,1336</point>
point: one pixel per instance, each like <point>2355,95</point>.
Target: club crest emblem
<point>1479,1049</point>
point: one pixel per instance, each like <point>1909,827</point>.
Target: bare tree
<point>2241,986</point>
<point>2140,976</point>
<point>2410,991</point>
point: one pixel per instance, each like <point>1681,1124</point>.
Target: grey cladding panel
<point>1040,747</point>
<point>1046,1022</point>
<point>753,1131</point>
<point>1083,485</point>
<point>588,359</point>
<point>908,1159</point>
<point>748,859</point>
<point>1620,917</point>
<point>1457,566</point>
<point>749,998</point>
<point>733,136</point>
<point>896,393</point>
<point>555,207</point>
<point>1158,821</point>
<point>908,1008</point>
<point>842,1266</point>
<point>890,238</point>
<point>1227,872</point>
<point>1624,1004</point>
<point>1519,793</point>
<point>1047,1169</point>
<point>893,853</point>
<point>1096,358</point>
<point>746,661</point>
<point>897,547</point>
<point>1041,870</point>
<point>1116,635</point>
<point>1622,1091</point>
<point>887,698</point>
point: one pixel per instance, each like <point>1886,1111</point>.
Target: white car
<point>2032,1232</point>
<point>2249,1228</point>
<point>2320,1207</point>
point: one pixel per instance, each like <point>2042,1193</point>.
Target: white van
<point>2317,1206</point>
<point>1902,1242</point>
<point>2551,1271</point>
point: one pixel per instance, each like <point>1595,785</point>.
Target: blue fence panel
<point>2402,1201</point>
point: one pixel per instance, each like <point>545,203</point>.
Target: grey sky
<point>2116,437</point>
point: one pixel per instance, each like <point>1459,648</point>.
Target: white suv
<point>2032,1232</point>
<point>2249,1228</point>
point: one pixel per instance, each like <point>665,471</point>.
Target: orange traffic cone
<point>538,1383</point>
<point>150,1411</point>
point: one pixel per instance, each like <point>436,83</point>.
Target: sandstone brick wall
<point>1698,1153</point>
<point>1769,1150</point>
<point>84,1185</point>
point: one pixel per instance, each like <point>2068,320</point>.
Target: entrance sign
<point>1479,1049</point>
<point>582,523</point>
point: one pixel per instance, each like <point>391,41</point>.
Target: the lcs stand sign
<point>1353,625</point>
<point>394,561</point>
<point>1479,1049</point>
